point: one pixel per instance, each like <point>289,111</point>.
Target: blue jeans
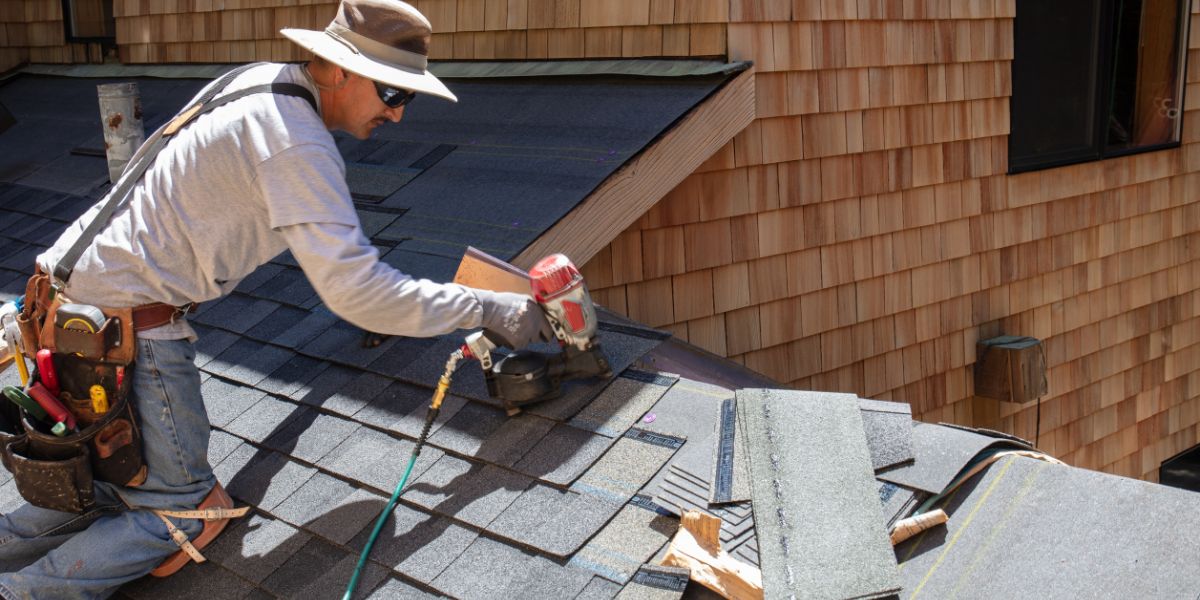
<point>51,554</point>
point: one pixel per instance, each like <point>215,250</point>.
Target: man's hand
<point>515,319</point>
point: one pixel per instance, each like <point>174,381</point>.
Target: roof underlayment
<point>574,497</point>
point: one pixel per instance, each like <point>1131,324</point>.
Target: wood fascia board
<point>627,194</point>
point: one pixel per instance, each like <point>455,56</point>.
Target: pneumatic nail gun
<point>527,376</point>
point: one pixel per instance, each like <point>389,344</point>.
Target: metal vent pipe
<point>121,115</point>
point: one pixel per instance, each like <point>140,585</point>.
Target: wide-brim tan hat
<point>383,40</point>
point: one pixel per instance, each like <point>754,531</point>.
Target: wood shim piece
<point>906,528</point>
<point>479,269</point>
<point>697,547</point>
<point>627,194</point>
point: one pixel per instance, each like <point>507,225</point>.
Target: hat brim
<point>321,44</point>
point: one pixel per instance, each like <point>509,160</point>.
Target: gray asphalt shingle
<point>267,479</point>
<point>225,401</point>
<point>628,540</point>
<point>844,554</point>
<point>473,493</point>
<point>254,546</point>
<point>320,570</point>
<point>889,432</point>
<point>292,375</point>
<point>377,459</point>
<point>266,417</point>
<point>309,436</point>
<point>236,313</point>
<point>619,406</point>
<point>248,362</point>
<point>563,454</point>
<point>415,543</point>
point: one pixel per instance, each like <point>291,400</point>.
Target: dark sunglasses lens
<point>392,97</point>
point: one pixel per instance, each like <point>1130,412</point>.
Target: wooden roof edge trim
<point>637,186</point>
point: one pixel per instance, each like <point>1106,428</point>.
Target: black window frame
<point>1103,102</point>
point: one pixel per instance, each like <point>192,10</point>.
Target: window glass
<point>1095,78</point>
<point>1054,81</point>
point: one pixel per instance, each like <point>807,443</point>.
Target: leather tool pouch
<point>58,472</point>
<point>113,343</point>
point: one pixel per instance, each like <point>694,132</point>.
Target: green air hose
<point>435,405</point>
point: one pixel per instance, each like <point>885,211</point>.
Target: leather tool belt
<point>149,316</point>
<point>58,471</point>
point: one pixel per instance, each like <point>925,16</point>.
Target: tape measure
<point>79,317</point>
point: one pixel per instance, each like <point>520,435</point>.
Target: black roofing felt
<point>945,450</point>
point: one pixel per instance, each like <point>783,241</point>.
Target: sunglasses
<point>393,97</point>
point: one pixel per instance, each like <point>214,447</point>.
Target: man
<point>232,189</point>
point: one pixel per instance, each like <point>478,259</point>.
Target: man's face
<point>362,110</point>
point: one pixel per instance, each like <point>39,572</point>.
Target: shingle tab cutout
<point>941,452</point>
<point>809,457</point>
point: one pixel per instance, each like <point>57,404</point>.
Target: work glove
<point>514,320</point>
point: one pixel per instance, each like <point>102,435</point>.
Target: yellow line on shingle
<point>1026,486</point>
<point>961,528</point>
<point>916,542</point>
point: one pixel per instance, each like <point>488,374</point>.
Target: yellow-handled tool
<point>12,337</point>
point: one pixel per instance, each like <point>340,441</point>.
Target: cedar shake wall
<point>32,31</point>
<point>861,235</point>
<point>244,30</point>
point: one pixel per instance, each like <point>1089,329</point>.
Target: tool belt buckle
<point>182,311</point>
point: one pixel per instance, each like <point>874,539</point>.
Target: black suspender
<point>119,194</point>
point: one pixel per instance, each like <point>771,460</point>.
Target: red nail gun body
<point>527,376</point>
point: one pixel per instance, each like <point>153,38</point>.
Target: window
<point>1182,470</point>
<point>1095,78</point>
<point>89,20</point>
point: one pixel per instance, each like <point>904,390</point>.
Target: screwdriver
<point>35,410</point>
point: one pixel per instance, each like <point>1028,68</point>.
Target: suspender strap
<point>118,195</point>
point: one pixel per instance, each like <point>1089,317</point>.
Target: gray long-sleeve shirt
<point>235,188</point>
